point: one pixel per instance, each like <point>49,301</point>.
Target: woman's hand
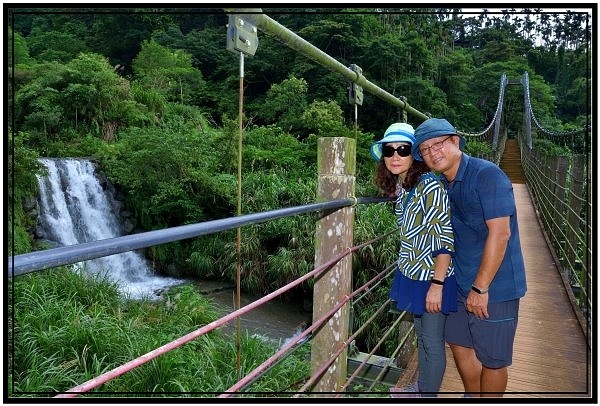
<point>433,301</point>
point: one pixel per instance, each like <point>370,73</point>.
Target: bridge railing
<point>333,265</point>
<point>562,192</point>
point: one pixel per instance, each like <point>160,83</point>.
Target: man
<point>489,267</point>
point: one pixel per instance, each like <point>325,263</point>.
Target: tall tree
<point>169,72</point>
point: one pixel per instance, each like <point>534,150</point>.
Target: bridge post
<point>336,157</point>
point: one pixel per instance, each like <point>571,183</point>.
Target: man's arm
<point>493,254</point>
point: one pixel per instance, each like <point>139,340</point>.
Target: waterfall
<point>74,209</point>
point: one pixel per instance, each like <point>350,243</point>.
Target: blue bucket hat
<point>397,132</point>
<point>433,128</point>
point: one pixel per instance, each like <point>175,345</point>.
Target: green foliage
<point>38,104</point>
<point>266,246</point>
<point>455,71</point>
<point>205,42</point>
<point>478,148</point>
<point>167,174</point>
<point>78,145</point>
<point>17,46</point>
<point>284,104</point>
<point>84,95</point>
<point>542,98</point>
<point>54,45</point>
<point>18,240</point>
<point>108,95</point>
<point>487,84</point>
<point>389,46</point>
<point>467,116</point>
<point>23,165</point>
<point>206,255</point>
<point>326,118</point>
<point>374,220</point>
<point>169,72</point>
<point>365,164</point>
<point>384,50</point>
<point>549,148</point>
<point>570,102</point>
<point>424,94</point>
<point>70,328</point>
<point>269,148</point>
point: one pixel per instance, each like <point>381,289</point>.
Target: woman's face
<point>396,164</point>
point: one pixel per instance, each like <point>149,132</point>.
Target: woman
<point>424,282</point>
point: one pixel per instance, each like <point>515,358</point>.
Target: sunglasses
<point>402,150</point>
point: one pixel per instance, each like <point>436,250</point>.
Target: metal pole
<point>239,213</point>
<point>271,27</point>
<point>39,260</point>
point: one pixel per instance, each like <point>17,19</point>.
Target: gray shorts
<point>492,338</point>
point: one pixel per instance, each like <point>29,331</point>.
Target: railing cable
<point>92,383</point>
<point>39,260</point>
<point>376,347</point>
<point>398,348</point>
<point>345,344</point>
<point>238,241</point>
<point>261,368</point>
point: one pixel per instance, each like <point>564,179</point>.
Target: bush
<point>477,148</point>
<point>23,165</point>
<point>549,148</point>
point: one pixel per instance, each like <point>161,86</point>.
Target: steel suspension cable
<point>399,347</point>
<point>238,280</point>
<point>529,107</point>
<point>497,114</point>
<point>269,362</point>
<point>376,347</point>
<point>346,343</point>
<point>105,377</point>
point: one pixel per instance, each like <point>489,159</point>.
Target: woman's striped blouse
<point>425,227</point>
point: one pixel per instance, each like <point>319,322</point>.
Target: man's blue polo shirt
<point>482,191</point>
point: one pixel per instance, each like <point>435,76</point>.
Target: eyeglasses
<point>402,150</point>
<point>436,147</point>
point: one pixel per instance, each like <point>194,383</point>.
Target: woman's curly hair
<point>387,181</point>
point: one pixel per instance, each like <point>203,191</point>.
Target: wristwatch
<point>480,291</point>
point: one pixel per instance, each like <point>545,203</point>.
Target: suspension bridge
<point>553,346</point>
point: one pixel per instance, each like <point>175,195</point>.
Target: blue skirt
<point>410,294</point>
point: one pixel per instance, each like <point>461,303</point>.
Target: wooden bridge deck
<point>551,355</point>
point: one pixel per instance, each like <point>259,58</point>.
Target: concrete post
<point>334,233</point>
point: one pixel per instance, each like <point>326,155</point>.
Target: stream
<point>275,320</point>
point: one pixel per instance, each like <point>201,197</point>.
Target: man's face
<point>439,153</point>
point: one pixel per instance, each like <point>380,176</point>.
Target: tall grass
<point>66,328</point>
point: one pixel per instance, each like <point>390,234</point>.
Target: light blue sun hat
<point>397,132</point>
